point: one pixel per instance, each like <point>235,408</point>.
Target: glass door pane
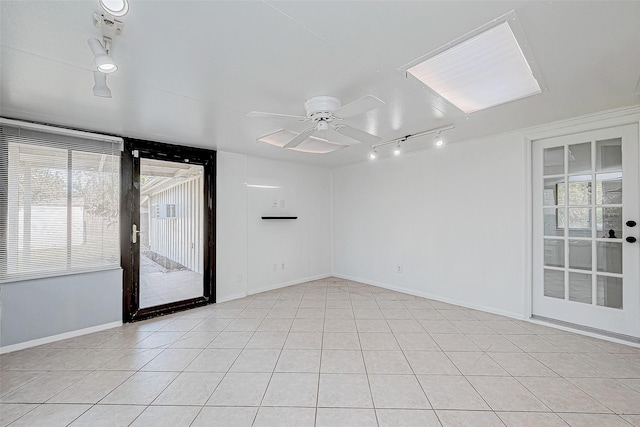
<point>171,237</point>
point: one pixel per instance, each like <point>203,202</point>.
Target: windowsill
<point>18,278</point>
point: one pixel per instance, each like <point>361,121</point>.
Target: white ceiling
<point>189,71</point>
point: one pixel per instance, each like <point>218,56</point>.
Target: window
<point>59,209</point>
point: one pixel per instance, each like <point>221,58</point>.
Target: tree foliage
<point>96,191</point>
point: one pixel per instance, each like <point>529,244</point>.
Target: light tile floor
<point>325,353</point>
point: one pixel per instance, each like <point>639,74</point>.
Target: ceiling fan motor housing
<point>321,107</point>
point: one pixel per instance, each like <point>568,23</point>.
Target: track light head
<point>115,7</point>
<point>100,87</point>
<point>397,150</point>
<point>439,142</point>
<point>373,155</point>
<point>100,56</point>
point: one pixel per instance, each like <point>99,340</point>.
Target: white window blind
<point>59,202</point>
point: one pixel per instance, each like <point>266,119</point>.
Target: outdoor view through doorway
<point>171,214</point>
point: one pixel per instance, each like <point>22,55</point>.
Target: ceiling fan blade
<point>357,134</point>
<point>263,115</point>
<point>300,138</point>
<point>360,106</point>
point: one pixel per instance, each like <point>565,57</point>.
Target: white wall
<point>453,218</point>
<point>248,246</point>
<point>33,310</point>
<point>231,226</point>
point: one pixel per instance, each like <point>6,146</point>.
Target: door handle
<point>631,239</point>
<point>134,233</point>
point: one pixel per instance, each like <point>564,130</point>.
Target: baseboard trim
<point>586,331</point>
<point>289,283</point>
<point>231,297</point>
<point>510,314</point>
<point>58,337</point>
<point>271,288</point>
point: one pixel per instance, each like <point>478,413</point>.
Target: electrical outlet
<point>275,203</point>
<point>282,267</point>
<point>399,268</point>
<point>275,267</point>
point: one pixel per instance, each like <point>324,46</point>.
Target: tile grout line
<point>324,318</point>
<point>364,363</point>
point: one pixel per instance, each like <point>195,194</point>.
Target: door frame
<point>130,214</point>
<point>611,118</point>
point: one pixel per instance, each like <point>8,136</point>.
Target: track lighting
<point>397,150</point>
<point>102,59</point>
<point>100,87</point>
<point>115,7</point>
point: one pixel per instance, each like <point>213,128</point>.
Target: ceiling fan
<point>326,112</point>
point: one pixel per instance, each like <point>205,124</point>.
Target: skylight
<point>312,144</point>
<point>483,71</point>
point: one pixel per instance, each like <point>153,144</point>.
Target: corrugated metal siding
<point>180,238</point>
